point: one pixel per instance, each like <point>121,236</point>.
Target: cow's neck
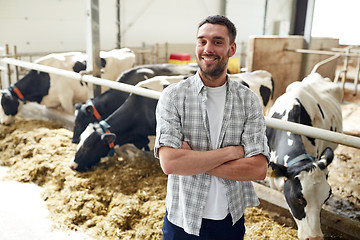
<point>290,147</point>
<point>126,120</point>
<point>34,86</point>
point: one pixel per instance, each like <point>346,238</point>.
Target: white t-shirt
<point>216,207</point>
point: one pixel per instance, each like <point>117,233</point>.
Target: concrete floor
<point>24,216</point>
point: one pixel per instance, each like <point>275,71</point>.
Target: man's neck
<point>213,81</point>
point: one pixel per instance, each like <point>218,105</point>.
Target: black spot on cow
<point>321,111</point>
<point>294,198</point>
<point>81,66</point>
<point>272,85</point>
<point>299,115</point>
<point>265,93</point>
<point>245,84</point>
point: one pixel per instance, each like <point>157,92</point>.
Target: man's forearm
<point>189,162</point>
<point>244,169</point>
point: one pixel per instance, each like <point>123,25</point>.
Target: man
<point>211,142</point>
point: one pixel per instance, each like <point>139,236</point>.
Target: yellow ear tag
<point>270,172</point>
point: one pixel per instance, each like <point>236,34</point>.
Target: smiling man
<point>211,142</point>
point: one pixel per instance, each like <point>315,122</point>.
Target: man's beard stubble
<point>218,70</point>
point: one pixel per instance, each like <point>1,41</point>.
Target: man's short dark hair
<point>221,20</point>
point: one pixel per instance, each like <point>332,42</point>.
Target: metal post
<point>166,52</point>
<point>307,35</point>
<point>309,20</point>
<point>16,67</point>
<point>265,15</point>
<point>356,80</point>
<point>157,52</point>
<point>7,53</point>
<point>118,42</point>
<point>222,7</point>
<point>93,43</point>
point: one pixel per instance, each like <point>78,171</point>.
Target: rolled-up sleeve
<point>254,135</point>
<point>168,126</point>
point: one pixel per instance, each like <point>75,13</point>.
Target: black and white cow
<point>132,123</point>
<point>106,103</point>
<point>54,90</point>
<point>262,83</point>
<point>301,160</point>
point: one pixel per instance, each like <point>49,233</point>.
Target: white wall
<point>59,25</point>
<point>53,25</point>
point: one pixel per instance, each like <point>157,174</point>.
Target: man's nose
<point>208,49</point>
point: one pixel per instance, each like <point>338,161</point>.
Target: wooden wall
<point>270,53</point>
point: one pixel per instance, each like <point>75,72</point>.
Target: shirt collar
<point>199,85</point>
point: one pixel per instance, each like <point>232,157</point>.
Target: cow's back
<point>117,61</point>
<point>61,87</point>
<point>321,99</point>
<point>260,82</point>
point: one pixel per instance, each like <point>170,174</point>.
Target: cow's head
<point>94,144</point>
<point>10,106</point>
<point>306,189</point>
<point>84,115</point>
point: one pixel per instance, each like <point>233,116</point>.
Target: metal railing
<point>270,122</point>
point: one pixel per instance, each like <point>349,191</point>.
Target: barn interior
<point>42,197</point>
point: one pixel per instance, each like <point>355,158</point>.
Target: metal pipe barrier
<point>86,78</point>
<point>322,52</point>
<point>313,132</point>
<point>315,68</point>
<point>270,122</point>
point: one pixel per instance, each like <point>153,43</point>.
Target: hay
<point>122,198</point>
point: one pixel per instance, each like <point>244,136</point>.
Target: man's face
<point>213,49</point>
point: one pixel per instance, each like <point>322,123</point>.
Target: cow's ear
<point>326,158</point>
<point>108,138</point>
<point>276,170</point>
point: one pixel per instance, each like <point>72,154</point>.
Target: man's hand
<point>185,145</point>
<point>186,161</point>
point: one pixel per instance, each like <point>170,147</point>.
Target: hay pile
<point>122,198</point>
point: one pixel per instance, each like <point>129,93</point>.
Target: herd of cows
<point>116,118</point>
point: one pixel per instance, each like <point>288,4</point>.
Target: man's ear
<point>232,49</point>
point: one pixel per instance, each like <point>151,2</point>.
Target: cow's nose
<point>74,165</point>
<point>315,238</point>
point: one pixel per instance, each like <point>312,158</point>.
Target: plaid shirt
<point>181,116</point>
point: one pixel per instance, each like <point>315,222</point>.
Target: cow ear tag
<point>270,171</point>
<point>108,138</point>
<point>89,109</point>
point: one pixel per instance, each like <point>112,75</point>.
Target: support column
<point>93,44</point>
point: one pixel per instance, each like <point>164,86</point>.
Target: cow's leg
<point>66,101</point>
